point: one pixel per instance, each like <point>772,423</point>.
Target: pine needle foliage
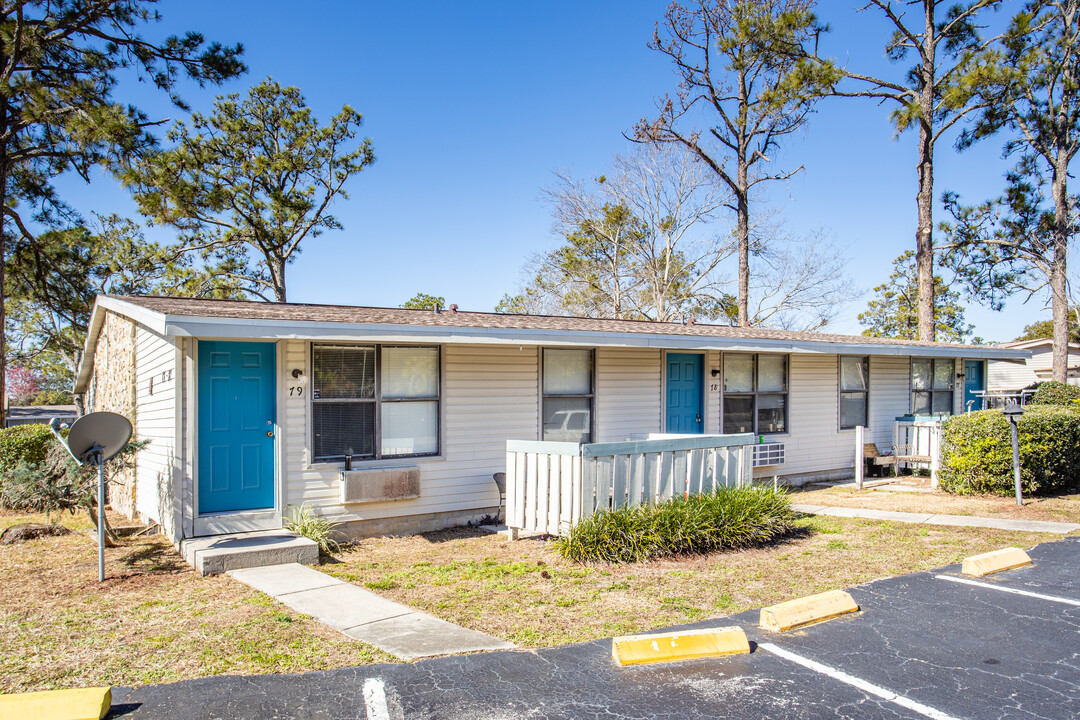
<point>727,519</point>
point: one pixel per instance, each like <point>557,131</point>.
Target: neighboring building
<point>1011,376</point>
<point>251,407</point>
<point>38,414</point>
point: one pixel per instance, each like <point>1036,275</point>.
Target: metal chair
<point>500,483</point>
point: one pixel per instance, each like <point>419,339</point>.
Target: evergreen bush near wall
<point>976,452</point>
<point>730,518</point>
<point>24,443</point>
<point>1055,393</point>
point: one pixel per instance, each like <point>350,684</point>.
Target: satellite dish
<point>98,432</point>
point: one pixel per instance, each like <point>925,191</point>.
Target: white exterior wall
<point>1015,376</point>
<point>489,394</point>
<point>628,397</point>
<point>156,382</point>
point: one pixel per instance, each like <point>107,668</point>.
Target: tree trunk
<point>277,277</point>
<point>744,247</point>
<point>1058,268</point>
<point>924,235</point>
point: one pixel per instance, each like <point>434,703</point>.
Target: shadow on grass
<point>154,558</point>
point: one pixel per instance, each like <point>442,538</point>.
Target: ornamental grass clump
<point>728,519</point>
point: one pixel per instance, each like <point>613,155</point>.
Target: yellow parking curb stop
<point>806,611</point>
<point>74,704</point>
<point>683,645</point>
<point>996,561</point>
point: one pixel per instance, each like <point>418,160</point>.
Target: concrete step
<point>222,553</point>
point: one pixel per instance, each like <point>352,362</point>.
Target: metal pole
<point>101,517</point>
<point>1016,460</point>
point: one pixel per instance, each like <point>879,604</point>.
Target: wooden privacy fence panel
<point>552,485</point>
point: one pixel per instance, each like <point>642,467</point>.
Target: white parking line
<point>375,699</point>
<point>1040,596</point>
<point>866,687</point>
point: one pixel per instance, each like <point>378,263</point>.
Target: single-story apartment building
<point>1012,377</point>
<point>393,421</point>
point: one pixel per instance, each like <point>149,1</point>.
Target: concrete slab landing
<point>222,553</point>
<point>363,615</point>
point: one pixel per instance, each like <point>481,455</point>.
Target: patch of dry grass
<point>152,620</point>
<point>524,592</point>
<point>1061,508</point>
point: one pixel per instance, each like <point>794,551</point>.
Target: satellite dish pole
<point>93,440</point>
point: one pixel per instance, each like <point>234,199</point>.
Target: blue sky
<point>472,105</point>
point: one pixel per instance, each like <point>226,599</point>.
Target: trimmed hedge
<point>976,452</point>
<point>1052,392</point>
<point>726,519</point>
<point>24,443</point>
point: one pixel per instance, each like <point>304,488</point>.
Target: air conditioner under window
<point>767,454</point>
<point>377,484</point>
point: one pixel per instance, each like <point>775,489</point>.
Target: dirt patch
<point>152,620</point>
<point>1060,508</point>
<point>524,592</point>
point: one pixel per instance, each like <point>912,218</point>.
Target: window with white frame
<point>372,401</point>
<point>932,386</point>
<point>854,391</point>
<point>755,393</point>
<point>567,390</point>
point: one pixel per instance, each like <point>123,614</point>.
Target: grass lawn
<point>1061,508</point>
<point>151,621</point>
<point>523,592</point>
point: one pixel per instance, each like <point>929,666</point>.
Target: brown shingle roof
<point>301,312</point>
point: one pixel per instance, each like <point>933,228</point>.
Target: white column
<point>860,456</point>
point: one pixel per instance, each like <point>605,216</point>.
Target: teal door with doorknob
<point>236,425</point>
<point>974,381</point>
<point>684,393</point>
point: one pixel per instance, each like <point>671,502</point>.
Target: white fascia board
<point>153,320</point>
<point>233,328</point>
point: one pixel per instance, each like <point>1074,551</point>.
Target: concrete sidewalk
<point>1044,526</point>
<point>363,615</point>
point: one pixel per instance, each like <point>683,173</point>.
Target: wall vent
<point>377,484</point>
<point>767,454</point>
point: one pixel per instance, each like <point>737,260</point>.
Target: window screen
<point>932,386</point>
<point>854,391</point>
<point>372,402</point>
<point>755,393</point>
<point>567,395</point>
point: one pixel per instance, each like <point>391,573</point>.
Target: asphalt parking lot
<point>928,645</point>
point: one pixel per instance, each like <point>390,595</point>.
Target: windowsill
<point>375,463</point>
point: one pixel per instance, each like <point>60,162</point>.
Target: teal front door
<point>684,393</point>
<point>974,380</point>
<point>236,426</point>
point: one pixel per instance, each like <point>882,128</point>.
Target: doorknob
<point>697,419</point>
<point>269,433</point>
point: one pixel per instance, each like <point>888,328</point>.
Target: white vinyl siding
<point>156,382</point>
<point>490,394</point>
<point>627,393</point>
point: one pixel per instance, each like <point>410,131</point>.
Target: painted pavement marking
<point>375,699</point>
<point>1026,593</point>
<point>866,687</point>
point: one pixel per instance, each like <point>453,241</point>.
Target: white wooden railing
<point>917,441</point>
<point>552,485</point>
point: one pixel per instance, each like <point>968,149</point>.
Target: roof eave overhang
<point>102,304</point>
<point>233,328</point>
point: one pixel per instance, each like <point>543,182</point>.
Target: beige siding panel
<point>712,393</point>
<point>490,394</point>
<point>890,379</point>
<point>156,380</point>
<point>1009,376</point>
<point>627,393</point>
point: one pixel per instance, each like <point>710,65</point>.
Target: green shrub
<point>729,518</point>
<point>24,443</point>
<point>304,522</point>
<point>1055,393</point>
<point>976,452</point>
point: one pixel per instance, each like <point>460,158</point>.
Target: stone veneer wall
<point>112,389</point>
